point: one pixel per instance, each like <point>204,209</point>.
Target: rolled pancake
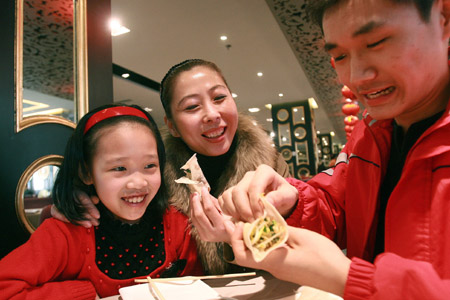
<point>195,179</point>
<point>266,233</point>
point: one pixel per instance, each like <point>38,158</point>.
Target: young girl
<point>117,154</point>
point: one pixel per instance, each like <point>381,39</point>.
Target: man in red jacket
<point>387,200</point>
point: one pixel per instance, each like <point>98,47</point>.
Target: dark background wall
<point>18,150</point>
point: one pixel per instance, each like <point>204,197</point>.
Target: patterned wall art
<point>305,39</point>
<point>48,39</point>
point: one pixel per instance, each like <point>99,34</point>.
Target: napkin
<point>186,290</point>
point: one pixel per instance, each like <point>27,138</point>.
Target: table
<point>263,286</point>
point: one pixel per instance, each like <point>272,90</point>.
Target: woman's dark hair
<point>168,82</point>
<point>317,8</point>
<point>77,162</point>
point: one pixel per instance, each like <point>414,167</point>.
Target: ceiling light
<point>318,131</point>
<point>117,28</point>
<point>253,109</point>
<point>313,103</point>
<point>234,95</point>
<point>268,106</point>
<point>126,75</point>
<point>223,37</point>
<point>260,74</point>
<point>148,109</point>
<point>332,133</point>
<point>280,95</point>
<point>269,120</point>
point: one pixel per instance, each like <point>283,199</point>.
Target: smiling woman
<point>202,118</point>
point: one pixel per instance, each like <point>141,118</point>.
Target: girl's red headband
<point>113,112</point>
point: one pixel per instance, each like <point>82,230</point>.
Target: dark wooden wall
<point>18,150</point>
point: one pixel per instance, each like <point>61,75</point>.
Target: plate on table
<point>176,290</point>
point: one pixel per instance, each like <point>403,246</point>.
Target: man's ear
<point>172,129</point>
<point>445,16</point>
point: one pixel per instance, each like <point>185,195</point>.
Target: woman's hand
<point>308,258</point>
<point>92,214</point>
<point>208,218</point>
<point>242,202</point>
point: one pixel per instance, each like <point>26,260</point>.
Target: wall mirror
<point>51,62</point>
<point>33,193</point>
<point>298,114</point>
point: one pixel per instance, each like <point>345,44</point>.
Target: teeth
<point>215,134</point>
<point>134,199</point>
<point>380,93</point>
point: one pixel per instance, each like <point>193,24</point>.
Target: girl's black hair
<point>77,162</point>
<point>168,82</point>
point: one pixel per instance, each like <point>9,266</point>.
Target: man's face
<point>392,60</point>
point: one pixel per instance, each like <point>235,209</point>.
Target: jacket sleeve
<point>321,202</point>
<point>394,277</point>
<point>40,268</point>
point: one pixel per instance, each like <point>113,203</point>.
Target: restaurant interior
<point>61,58</point>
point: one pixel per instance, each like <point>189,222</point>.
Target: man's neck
<point>429,108</point>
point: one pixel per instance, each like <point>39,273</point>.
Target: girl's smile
<point>126,178</point>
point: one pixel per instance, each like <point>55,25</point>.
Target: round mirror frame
<point>282,115</point>
<point>47,160</point>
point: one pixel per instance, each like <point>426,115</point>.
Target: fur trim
<point>254,147</point>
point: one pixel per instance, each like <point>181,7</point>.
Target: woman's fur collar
<point>253,148</point>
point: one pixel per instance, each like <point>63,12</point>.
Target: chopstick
<point>154,289</point>
<point>197,277</point>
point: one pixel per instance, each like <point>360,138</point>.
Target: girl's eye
<point>150,166</point>
<point>191,107</point>
<point>376,43</point>
<point>120,169</point>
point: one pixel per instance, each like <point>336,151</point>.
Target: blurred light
<point>223,37</point>
<point>234,95</point>
<point>348,100</point>
<point>253,109</point>
<point>272,134</point>
<point>125,75</point>
<point>268,106</point>
<point>269,120</point>
<point>295,109</point>
<point>332,133</point>
<point>117,28</point>
<point>148,109</point>
<point>260,74</point>
<point>313,103</point>
<point>318,131</point>
<point>280,95</point>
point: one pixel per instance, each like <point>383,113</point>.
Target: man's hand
<point>242,201</point>
<point>208,218</point>
<point>92,214</point>
<point>308,258</point>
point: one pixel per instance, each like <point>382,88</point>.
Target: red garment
<point>58,262</point>
<point>342,203</point>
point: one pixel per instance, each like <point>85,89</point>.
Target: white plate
<point>186,290</point>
